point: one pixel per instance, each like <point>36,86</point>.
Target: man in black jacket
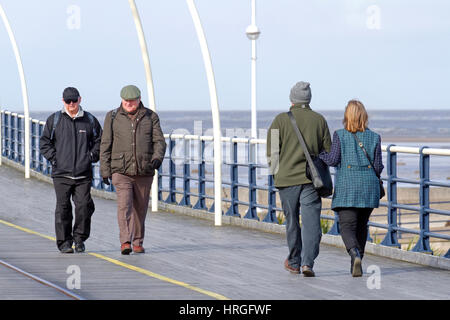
<point>71,142</point>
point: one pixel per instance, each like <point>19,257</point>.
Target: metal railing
<point>188,161</point>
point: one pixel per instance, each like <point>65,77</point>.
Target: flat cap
<point>130,92</point>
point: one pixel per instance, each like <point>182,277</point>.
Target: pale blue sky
<point>404,64</point>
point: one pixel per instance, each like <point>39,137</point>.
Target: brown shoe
<point>138,249</point>
<point>308,271</point>
<point>125,248</point>
<point>291,269</point>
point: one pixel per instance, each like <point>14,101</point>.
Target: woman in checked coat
<point>357,187</point>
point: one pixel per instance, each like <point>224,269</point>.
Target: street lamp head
<point>252,32</point>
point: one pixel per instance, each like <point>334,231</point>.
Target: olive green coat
<point>128,146</point>
<point>285,156</point>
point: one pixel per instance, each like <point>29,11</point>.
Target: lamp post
<point>24,91</point>
<point>253,33</point>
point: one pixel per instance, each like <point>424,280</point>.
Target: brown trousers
<point>133,193</point>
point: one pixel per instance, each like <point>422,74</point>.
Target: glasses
<point>68,101</point>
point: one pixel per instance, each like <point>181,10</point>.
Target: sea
<point>413,128</point>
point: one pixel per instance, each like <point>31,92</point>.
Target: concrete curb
<point>336,241</point>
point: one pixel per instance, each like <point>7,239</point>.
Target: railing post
<point>12,137</point>
<point>33,146</point>
<point>251,213</point>
<point>423,245</point>
<point>93,184</point>
<point>19,140</point>
<point>369,238</point>
<point>335,230</point>
<point>447,255</point>
<point>160,186</point>
<point>234,208</point>
<point>41,158</point>
<point>391,236</point>
<point>6,152</point>
<point>1,136</point>
<point>186,201</point>
<point>272,202</point>
<point>172,172</point>
<point>201,203</point>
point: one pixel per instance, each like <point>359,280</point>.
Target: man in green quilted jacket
<point>132,148</point>
<point>288,165</point>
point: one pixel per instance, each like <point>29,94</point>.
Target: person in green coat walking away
<point>357,186</point>
<point>287,162</point>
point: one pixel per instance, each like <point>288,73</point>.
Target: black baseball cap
<point>71,93</point>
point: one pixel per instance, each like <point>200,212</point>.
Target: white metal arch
<point>24,91</point>
<point>150,87</point>
<point>213,99</point>
<point>215,113</point>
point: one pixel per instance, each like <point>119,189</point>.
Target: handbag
<point>316,170</point>
<point>382,192</point>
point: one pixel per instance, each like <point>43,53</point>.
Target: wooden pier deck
<point>186,258</point>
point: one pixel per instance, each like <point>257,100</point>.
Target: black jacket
<point>73,148</point>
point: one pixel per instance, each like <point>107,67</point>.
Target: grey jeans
<point>303,242</point>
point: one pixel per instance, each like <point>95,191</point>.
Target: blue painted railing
<point>180,171</point>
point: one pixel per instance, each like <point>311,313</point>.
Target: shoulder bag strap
<point>92,122</point>
<point>302,143</point>
<point>55,123</point>
<point>365,152</point>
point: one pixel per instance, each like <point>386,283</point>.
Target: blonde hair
<point>355,116</point>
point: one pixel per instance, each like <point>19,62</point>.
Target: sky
<point>388,54</point>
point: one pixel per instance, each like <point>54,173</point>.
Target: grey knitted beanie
<point>300,93</point>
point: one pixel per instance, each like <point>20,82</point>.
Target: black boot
<point>362,256</point>
<point>355,266</point>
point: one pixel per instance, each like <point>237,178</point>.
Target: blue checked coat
<point>356,184</point>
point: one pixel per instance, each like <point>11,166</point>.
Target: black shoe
<point>66,248</point>
<point>79,246</point>
<point>355,263</point>
<point>308,271</point>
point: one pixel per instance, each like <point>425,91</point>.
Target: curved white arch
<point>150,88</point>
<point>24,90</point>
<point>215,114</point>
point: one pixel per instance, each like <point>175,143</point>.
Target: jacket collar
<point>300,106</point>
<point>80,113</point>
<point>139,110</point>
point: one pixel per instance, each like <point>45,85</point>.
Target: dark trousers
<point>80,192</point>
<point>353,227</point>
<point>303,241</point>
